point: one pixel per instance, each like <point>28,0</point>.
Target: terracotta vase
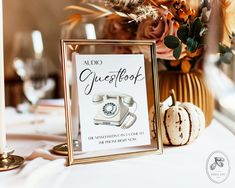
<point>189,87</point>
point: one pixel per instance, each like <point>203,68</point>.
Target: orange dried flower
<point>169,16</point>
<point>174,63</point>
<point>182,10</point>
<point>161,2</point>
<point>185,66</point>
<point>176,25</point>
<point>198,52</point>
<point>182,15</point>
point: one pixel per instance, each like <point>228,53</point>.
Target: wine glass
<point>31,65</point>
<point>88,30</point>
<point>36,82</point>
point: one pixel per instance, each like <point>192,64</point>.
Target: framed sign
<point>111,99</point>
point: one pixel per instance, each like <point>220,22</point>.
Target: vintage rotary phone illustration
<point>114,109</point>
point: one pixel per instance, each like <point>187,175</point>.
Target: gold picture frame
<point>70,47</point>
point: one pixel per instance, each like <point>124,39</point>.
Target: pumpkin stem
<point>173,97</point>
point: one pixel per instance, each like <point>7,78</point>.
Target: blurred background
<point>23,17</point>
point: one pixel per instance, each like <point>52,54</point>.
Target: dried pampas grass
<point>144,12</point>
<point>124,2</point>
<point>126,6</point>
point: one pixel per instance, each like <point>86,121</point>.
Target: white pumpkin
<point>181,123</point>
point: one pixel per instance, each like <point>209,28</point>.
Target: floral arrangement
<point>179,27</point>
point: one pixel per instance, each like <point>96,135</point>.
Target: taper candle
<point>2,88</point>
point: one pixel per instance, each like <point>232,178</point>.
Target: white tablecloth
<point>32,136</point>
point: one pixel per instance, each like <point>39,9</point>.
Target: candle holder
<point>62,149</point>
<point>9,161</point>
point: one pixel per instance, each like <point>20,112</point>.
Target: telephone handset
<point>114,109</point>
